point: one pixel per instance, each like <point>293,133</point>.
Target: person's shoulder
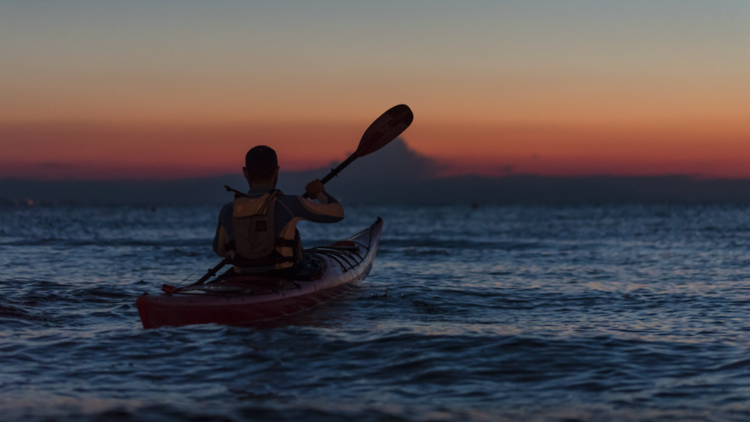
<point>227,206</point>
<point>284,197</point>
<point>226,211</point>
<point>292,202</point>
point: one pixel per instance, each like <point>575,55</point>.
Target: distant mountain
<point>394,175</point>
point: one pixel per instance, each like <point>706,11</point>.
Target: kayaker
<point>259,229</point>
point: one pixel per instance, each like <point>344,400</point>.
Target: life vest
<point>256,246</point>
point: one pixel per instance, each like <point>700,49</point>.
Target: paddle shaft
<point>211,272</point>
<point>336,171</point>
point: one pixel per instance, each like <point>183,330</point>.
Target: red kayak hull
<point>246,299</point>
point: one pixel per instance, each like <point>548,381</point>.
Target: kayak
<point>242,299</point>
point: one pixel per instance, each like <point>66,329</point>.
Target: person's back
<point>258,230</point>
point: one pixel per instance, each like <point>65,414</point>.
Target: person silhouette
<point>258,229</point>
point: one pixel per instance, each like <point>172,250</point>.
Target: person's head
<point>261,166</point>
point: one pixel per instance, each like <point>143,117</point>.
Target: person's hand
<point>314,188</point>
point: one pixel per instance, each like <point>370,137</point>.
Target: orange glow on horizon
<point>109,151</point>
<point>720,151</point>
<point>150,151</point>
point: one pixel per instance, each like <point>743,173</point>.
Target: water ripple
<point>508,313</point>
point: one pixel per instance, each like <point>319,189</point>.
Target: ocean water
<point>498,313</point>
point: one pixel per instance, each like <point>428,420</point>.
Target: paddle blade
<point>385,129</point>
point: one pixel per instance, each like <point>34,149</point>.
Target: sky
<point>172,89</point>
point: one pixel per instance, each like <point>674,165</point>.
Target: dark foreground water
<point>508,313</point>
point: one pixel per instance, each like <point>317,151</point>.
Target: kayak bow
<point>244,299</point>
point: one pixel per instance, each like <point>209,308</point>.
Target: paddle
<point>381,132</point>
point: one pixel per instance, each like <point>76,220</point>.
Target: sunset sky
<point>170,89</point>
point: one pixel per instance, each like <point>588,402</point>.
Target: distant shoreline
<point>460,190</point>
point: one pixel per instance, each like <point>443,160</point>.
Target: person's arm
<point>326,210</point>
